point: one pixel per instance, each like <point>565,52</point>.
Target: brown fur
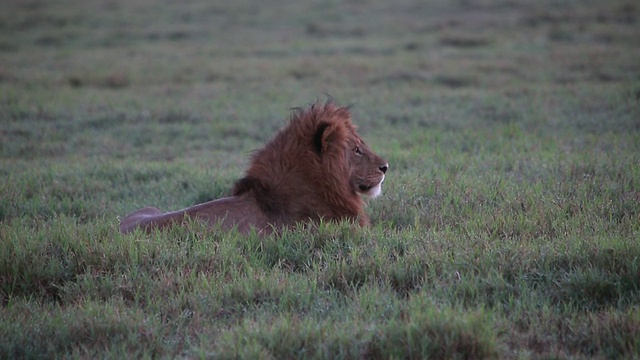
<point>315,168</point>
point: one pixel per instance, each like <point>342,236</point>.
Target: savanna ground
<point>508,227</point>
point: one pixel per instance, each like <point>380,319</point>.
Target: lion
<point>315,169</point>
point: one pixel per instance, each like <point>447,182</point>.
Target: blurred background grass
<point>205,83</point>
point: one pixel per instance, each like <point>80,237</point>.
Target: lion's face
<point>367,169</point>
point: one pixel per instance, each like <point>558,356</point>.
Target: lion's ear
<point>327,135</point>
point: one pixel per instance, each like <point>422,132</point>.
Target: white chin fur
<point>375,191</point>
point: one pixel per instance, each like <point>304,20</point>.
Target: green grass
<point>508,227</point>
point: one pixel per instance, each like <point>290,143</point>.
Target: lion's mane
<point>303,173</point>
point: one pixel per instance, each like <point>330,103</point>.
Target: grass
<point>508,225</point>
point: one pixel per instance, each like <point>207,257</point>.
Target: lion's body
<point>239,212</point>
<point>314,168</point>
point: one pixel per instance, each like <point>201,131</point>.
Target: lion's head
<point>367,169</point>
<point>315,167</point>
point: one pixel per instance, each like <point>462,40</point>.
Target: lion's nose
<point>384,168</point>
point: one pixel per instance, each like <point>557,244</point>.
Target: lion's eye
<point>357,150</point>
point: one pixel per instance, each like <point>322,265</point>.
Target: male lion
<point>314,168</point>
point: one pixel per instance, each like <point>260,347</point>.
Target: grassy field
<point>509,225</point>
